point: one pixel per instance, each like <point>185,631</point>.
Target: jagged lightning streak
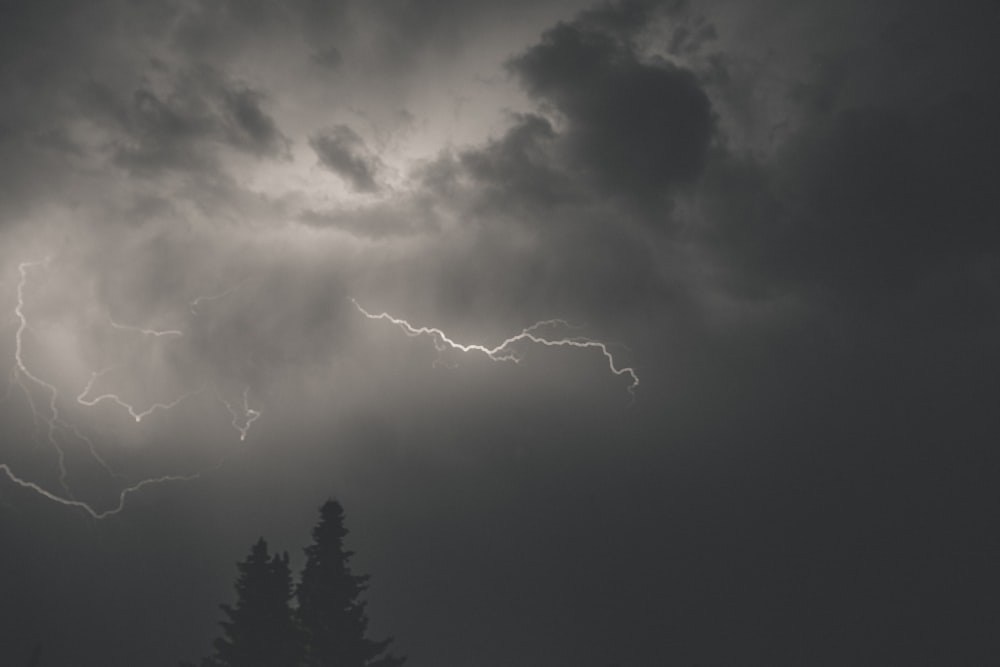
<point>20,370</point>
<point>21,374</point>
<point>145,332</point>
<point>504,351</point>
<point>249,414</point>
<point>213,297</point>
<point>136,414</point>
<point>133,412</point>
<point>122,495</point>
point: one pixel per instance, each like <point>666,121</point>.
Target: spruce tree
<point>260,630</point>
<point>330,612</point>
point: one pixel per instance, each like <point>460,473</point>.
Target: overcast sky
<point>778,215</point>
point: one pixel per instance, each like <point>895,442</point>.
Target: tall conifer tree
<point>260,630</point>
<point>330,611</point>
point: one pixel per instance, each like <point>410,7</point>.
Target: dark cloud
<point>181,128</point>
<point>163,134</point>
<point>249,127</point>
<point>635,126</point>
<point>861,203</point>
<point>557,208</point>
<point>518,170</point>
<point>343,152</point>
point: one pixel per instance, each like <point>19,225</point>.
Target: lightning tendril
<point>56,427</point>
<point>145,332</point>
<point>122,495</point>
<point>59,432</point>
<point>506,350</point>
<point>133,412</point>
<point>249,414</point>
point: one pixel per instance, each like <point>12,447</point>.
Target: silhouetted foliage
<point>329,627</point>
<point>330,611</point>
<point>260,629</point>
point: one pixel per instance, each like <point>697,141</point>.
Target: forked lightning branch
<point>53,429</point>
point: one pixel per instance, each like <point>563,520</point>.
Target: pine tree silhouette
<point>260,630</point>
<point>330,611</point>
<point>327,629</point>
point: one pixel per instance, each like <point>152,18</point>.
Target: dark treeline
<point>320,622</point>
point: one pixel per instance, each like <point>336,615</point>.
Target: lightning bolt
<point>506,351</point>
<point>145,332</point>
<point>548,333</point>
<point>213,297</point>
<point>134,412</point>
<point>122,495</point>
<point>29,382</point>
<point>115,398</point>
<point>249,414</point>
<point>21,372</point>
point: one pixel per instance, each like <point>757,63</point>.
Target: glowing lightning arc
<point>115,398</point>
<point>21,370</point>
<point>145,332</point>
<point>249,414</point>
<point>194,305</point>
<point>243,416</point>
<point>25,379</point>
<point>504,351</point>
<point>122,495</point>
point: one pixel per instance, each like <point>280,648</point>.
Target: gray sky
<point>778,215</point>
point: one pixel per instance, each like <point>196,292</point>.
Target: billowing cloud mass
<point>779,214</point>
<point>634,126</point>
<point>342,151</point>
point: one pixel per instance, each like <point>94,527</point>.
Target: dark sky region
<point>781,214</point>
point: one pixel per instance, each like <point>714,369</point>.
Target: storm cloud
<point>779,214</point>
<point>635,126</point>
<point>343,152</point>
